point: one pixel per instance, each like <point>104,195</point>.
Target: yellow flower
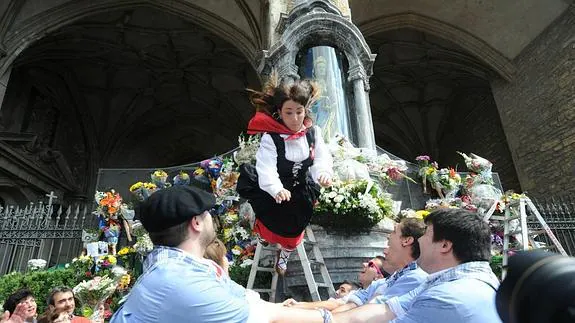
<point>150,186</point>
<point>160,173</point>
<point>126,250</point>
<point>136,186</point>
<point>124,281</point>
<point>429,170</point>
<point>422,214</point>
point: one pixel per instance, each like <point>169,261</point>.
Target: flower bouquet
<point>249,146</point>
<point>182,179</point>
<point>36,264</point>
<point>143,190</point>
<point>352,206</point>
<point>480,168</point>
<point>92,295</point>
<point>159,178</point>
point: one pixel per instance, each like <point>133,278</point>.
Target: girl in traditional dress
<point>291,160</point>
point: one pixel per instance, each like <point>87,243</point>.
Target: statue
<point>324,108</point>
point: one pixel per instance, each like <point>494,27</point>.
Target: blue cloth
<point>178,287</point>
<point>401,282</point>
<point>464,293</point>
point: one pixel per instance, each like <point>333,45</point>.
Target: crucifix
<point>51,197</point>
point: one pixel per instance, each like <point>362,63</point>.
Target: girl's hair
<point>273,95</point>
<point>216,251</point>
<point>51,315</point>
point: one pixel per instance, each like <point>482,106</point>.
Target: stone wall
<point>474,127</point>
<point>538,110</point>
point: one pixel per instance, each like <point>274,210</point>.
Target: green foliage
<point>39,282</point>
<point>241,274</point>
<point>496,264</point>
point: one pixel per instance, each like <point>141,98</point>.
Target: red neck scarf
<point>262,122</point>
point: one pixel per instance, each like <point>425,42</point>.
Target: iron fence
<point>41,231</point>
<point>559,214</point>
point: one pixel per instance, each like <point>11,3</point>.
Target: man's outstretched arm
<point>369,313</point>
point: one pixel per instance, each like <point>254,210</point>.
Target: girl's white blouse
<point>297,150</point>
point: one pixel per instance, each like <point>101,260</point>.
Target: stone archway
<point>132,87</point>
<point>430,96</point>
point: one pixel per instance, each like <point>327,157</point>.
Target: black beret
<point>171,206</point>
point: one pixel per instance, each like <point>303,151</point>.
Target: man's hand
<point>324,180</point>
<point>283,195</point>
<point>18,316</point>
<point>289,302</point>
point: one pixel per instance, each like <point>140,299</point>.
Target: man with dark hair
<point>22,296</point>
<point>345,289</point>
<point>401,253</point>
<point>178,284</point>
<point>455,251</point>
<point>63,298</point>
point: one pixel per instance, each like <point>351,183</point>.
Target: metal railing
<point>559,214</point>
<point>41,231</point>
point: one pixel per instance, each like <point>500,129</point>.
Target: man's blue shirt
<point>401,282</point>
<point>465,293</point>
<point>178,287</point>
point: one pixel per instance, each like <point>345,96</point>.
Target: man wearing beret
<point>178,284</point>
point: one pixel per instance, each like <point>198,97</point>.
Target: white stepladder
<point>522,233</point>
<point>306,264</point>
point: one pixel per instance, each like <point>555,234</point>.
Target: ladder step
<point>536,232</point>
<point>513,217</point>
<point>262,290</point>
<point>316,263</point>
<point>309,242</point>
<point>513,232</point>
<point>324,285</point>
<point>265,269</point>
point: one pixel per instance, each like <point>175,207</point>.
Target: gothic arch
<point>38,26</point>
<point>475,46</point>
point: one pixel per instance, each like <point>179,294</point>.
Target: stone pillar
<point>365,135</point>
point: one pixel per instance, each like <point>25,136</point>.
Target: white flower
<point>338,199</point>
<point>247,263</point>
<point>36,264</point>
<point>331,195</point>
<point>337,205</point>
<point>236,252</point>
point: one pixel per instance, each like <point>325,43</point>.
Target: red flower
<point>88,274</point>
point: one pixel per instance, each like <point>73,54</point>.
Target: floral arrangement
<point>112,214</point>
<point>352,206</point>
<point>159,178</point>
<point>182,179</point>
<point>36,264</point>
<point>142,190</point>
<point>412,214</point>
<point>351,163</point>
<point>92,295</point>
<point>248,147</point>
<point>143,245</point>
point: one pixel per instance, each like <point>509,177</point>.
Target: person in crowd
<point>22,296</point>
<point>216,251</point>
<point>291,160</point>
<point>55,315</point>
<point>455,251</point>
<point>401,254</point>
<point>345,289</point>
<point>17,316</point>
<point>63,298</point>
<point>371,271</point>
<point>178,284</point>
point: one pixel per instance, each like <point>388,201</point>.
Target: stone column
<point>364,132</point>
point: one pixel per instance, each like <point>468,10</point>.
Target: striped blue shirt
<point>464,293</point>
<point>401,282</point>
